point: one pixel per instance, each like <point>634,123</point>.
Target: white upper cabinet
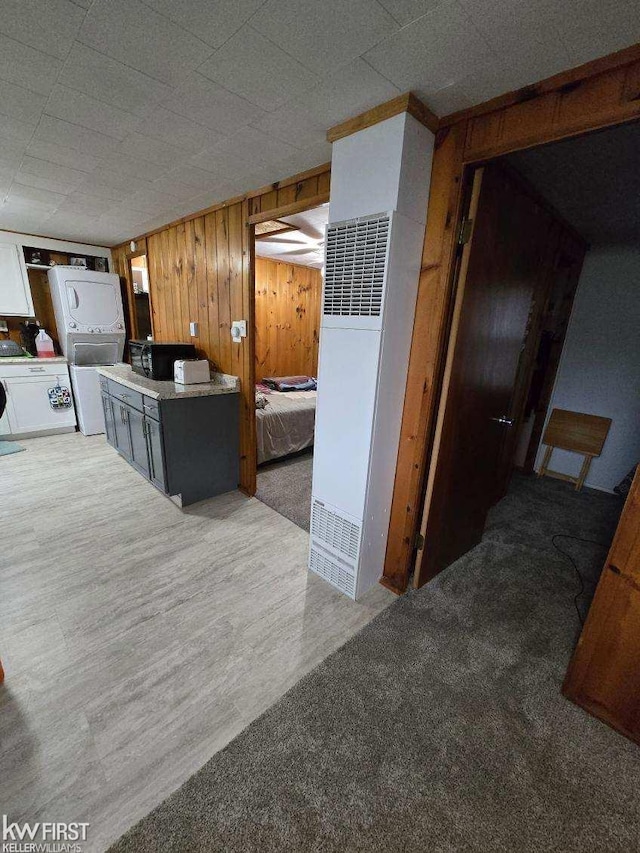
<point>15,294</point>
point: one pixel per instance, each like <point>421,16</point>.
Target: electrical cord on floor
<point>574,564</point>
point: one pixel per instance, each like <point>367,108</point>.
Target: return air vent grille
<point>334,571</point>
<point>334,530</point>
<point>356,259</point>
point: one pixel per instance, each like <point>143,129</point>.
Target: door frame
<point>600,94</point>
<point>298,206</point>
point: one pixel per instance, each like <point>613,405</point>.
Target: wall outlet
<point>4,326</point>
<point>193,329</point>
<point>238,330</point>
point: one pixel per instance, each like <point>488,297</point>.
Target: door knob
<point>503,420</point>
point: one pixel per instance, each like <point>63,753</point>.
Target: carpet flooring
<point>285,485</point>
<point>440,726</point>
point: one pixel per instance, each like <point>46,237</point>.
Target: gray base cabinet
<point>188,448</point>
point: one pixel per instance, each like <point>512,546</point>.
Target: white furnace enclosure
<point>378,203</point>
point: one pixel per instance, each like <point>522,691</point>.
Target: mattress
<point>286,424</point>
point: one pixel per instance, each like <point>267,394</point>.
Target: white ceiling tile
<point>110,81</point>
<point>51,171</point>
<point>63,133</point>
<point>346,92</point>
<point>11,153</point>
<point>35,196</point>
<point>309,158</point>
<point>405,11</point>
<point>225,165</point>
<point>79,204</point>
<point>134,34</point>
<point>14,130</point>
<point>92,186</point>
<point>30,68</point>
<point>150,201</point>
<point>46,25</point>
<point>592,28</point>
<point>169,185</point>
<point>78,108</point>
<point>21,218</point>
<point>324,35</point>
<point>62,155</point>
<point>252,66</point>
<point>212,22</point>
<point>41,183</point>
<point>293,123</point>
<point>115,178</point>
<point>137,167</point>
<point>437,49</point>
<point>255,147</point>
<point>152,150</point>
<point>205,102</point>
<point>178,130</point>
<point>448,100</point>
<point>20,103</point>
<point>198,179</point>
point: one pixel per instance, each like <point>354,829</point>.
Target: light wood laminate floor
<point>138,639</point>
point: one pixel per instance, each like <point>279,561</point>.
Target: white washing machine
<point>90,320</point>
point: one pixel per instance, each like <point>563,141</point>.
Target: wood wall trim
<point>602,65</point>
<point>428,347</point>
<point>407,103</point>
<point>289,209</point>
<point>600,94</point>
<point>294,179</point>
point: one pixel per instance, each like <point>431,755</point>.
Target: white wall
<point>599,372</point>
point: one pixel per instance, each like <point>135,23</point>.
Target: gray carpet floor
<point>285,485</point>
<point>441,726</point>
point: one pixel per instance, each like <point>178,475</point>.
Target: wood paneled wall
<point>287,319</point>
<point>201,268</point>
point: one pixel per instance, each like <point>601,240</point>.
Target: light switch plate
<point>193,329</point>
<point>238,330</point>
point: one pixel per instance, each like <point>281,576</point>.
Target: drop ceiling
<point>117,116</point>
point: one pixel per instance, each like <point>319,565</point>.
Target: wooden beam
<point>407,103</point>
<point>325,168</point>
<point>289,209</point>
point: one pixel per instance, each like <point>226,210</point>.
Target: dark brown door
<point>499,272</point>
<point>604,674</point>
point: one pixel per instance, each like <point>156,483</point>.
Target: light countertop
<point>221,383</point>
<point>23,359</point>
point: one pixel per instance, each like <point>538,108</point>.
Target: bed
<point>285,425</point>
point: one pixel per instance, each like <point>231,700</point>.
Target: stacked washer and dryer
<point>91,331</point>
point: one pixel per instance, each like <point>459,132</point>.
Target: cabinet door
<point>137,431</point>
<point>156,459</point>
<point>15,294</point>
<point>121,430</point>
<point>109,424</point>
<point>28,405</point>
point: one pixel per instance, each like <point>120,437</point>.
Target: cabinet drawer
<point>126,395</point>
<point>151,408</point>
<point>30,367</point>
<point>104,384</point>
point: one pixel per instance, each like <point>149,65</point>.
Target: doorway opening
<point>545,319</point>
<point>289,258</point>
<point>141,308</point>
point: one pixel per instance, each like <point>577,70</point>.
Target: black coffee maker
<point>28,335</point>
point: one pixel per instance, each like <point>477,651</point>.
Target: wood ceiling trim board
<point>289,209</point>
<point>407,103</point>
<point>294,179</point>
<point>572,76</point>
